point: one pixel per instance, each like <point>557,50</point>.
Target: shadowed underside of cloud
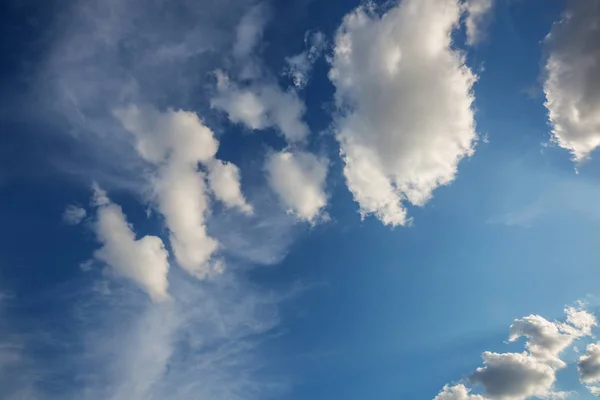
<point>532,373</point>
<point>572,85</point>
<point>589,368</point>
<point>404,97</point>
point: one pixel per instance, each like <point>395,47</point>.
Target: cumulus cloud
<point>250,94</point>
<point>519,376</point>
<point>589,367</point>
<point>176,142</point>
<point>299,180</point>
<point>404,96</point>
<point>457,392</point>
<point>546,339</point>
<point>73,215</point>
<point>224,181</point>
<point>477,19</point>
<point>144,261</point>
<point>262,105</point>
<point>572,84</point>
<point>513,376</point>
<point>300,65</point>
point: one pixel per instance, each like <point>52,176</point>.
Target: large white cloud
<point>299,180</point>
<point>404,98</point>
<point>144,261</point>
<point>519,376</point>
<point>176,142</point>
<point>572,85</point>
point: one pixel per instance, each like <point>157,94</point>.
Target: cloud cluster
<point>262,105</point>
<point>258,102</point>
<point>572,85</point>
<point>144,261</point>
<point>175,142</point>
<point>519,376</point>
<point>404,96</point>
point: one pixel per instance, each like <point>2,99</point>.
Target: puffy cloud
<point>514,376</point>
<point>546,340</point>
<point>300,65</point>
<point>144,261</point>
<point>262,105</point>
<point>179,137</point>
<point>589,368</point>
<point>404,98</point>
<point>73,215</point>
<point>572,84</point>
<point>458,392</point>
<point>477,19</point>
<point>176,141</point>
<point>519,376</point>
<point>224,181</point>
<point>299,180</point>
<point>581,319</point>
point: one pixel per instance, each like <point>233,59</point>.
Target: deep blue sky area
<point>108,201</point>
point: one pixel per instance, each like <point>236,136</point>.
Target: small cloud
<point>300,65</point>
<point>299,180</point>
<point>73,215</point>
<point>533,91</point>
<point>477,19</point>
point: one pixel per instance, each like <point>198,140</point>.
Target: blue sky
<point>261,199</point>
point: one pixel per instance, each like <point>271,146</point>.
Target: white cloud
<point>224,181</point>
<point>262,105</point>
<point>519,376</point>
<point>299,66</point>
<point>404,99</point>
<point>176,141</point>
<point>299,180</point>
<point>144,261</point>
<point>73,215</point>
<point>477,19</point>
<point>259,102</point>
<point>572,83</point>
<point>457,392</point>
<point>546,339</point>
